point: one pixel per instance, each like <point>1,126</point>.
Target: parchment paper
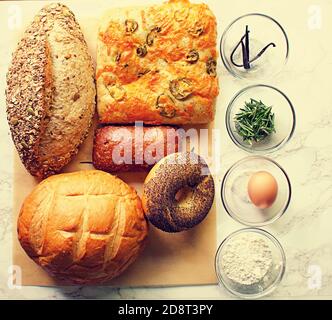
<point>169,259</point>
<point>185,258</point>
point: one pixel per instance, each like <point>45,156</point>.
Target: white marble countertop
<point>305,229</point>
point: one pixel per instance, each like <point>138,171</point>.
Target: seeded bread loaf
<point>50,91</point>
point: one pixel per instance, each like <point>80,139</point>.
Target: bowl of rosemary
<point>254,46</point>
<point>260,119</point>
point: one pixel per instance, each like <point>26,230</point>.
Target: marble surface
<point>305,229</point>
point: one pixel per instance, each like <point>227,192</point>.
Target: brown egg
<point>262,189</point>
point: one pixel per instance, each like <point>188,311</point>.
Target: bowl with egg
<point>256,191</point>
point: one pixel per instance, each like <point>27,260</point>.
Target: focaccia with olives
<point>157,64</point>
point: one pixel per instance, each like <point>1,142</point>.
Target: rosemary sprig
<point>255,121</point>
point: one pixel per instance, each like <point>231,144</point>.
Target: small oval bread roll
<point>50,91</point>
<point>83,227</point>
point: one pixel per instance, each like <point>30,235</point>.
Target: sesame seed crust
<point>31,93</point>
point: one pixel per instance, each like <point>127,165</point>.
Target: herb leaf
<point>255,121</point>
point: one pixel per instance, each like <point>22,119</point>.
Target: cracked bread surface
<point>50,91</point>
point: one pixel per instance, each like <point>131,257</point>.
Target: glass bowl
<point>271,278</point>
<point>282,108</point>
<point>262,31</point>
<point>234,191</point>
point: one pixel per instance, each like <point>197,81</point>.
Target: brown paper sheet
<point>186,258</point>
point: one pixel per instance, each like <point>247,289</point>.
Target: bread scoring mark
<point>109,251</point>
<point>38,227</point>
<point>72,263</point>
<point>102,194</point>
<point>81,235</point>
<point>66,234</point>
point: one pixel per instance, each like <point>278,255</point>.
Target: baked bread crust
<point>157,64</point>
<point>154,143</point>
<point>50,91</point>
<point>173,174</point>
<point>83,227</point>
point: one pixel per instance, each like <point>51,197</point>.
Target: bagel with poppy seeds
<point>178,192</point>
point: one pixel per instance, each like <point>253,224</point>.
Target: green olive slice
<point>166,106</point>
<point>116,92</point>
<point>143,72</point>
<point>180,88</point>
<point>211,67</point>
<point>151,35</point>
<point>192,56</point>
<point>131,25</point>
<point>141,50</point>
<point>196,30</point>
<point>156,29</point>
<point>118,57</point>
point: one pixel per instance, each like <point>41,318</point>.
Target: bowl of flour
<point>250,263</point>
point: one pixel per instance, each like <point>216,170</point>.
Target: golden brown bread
<point>50,91</point>
<point>143,147</point>
<point>83,227</point>
<point>157,64</point>
<point>178,192</point>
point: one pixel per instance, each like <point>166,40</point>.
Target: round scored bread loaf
<point>50,91</point>
<point>83,227</point>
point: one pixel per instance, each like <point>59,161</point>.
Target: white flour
<point>246,259</point>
